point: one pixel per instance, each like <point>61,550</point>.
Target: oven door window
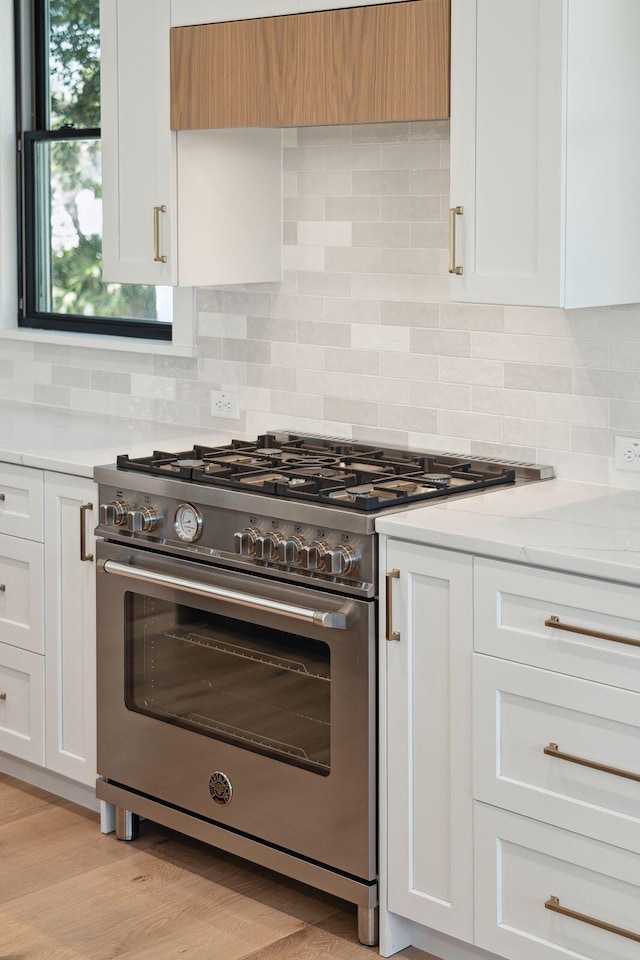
<point>260,688</point>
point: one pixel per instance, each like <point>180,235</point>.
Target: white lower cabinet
<point>22,703</point>
<point>549,823</point>
<point>524,867</point>
<point>70,516</point>
<point>47,622</point>
<point>428,684</point>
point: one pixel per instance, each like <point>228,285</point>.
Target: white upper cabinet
<point>181,210</point>
<point>545,152</point>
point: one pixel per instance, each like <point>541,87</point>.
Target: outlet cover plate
<point>225,404</point>
<point>627,454</point>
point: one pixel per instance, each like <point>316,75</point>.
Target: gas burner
<point>324,471</point>
<point>188,463</point>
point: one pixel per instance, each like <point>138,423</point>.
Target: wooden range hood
<point>358,65</point>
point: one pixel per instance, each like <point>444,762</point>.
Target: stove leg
<point>126,824</point>
<point>368,926</point>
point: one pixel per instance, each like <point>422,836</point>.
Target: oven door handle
<point>332,619</point>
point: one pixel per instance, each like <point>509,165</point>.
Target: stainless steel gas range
<point>237,625</point>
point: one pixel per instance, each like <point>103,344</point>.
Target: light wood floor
<point>67,892</point>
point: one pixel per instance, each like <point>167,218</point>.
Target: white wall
<point>360,337</point>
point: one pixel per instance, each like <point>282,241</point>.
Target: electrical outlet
<point>627,453</point>
<point>225,403</point>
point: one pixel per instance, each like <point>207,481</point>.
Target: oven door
<point>245,701</point>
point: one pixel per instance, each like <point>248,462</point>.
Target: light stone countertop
<point>51,439</point>
<point>582,528</point>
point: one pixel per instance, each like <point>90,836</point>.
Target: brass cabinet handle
<point>3,695</point>
<point>2,496</point>
<point>3,587</point>
<point>390,633</point>
<point>83,534</point>
<point>453,213</point>
<point>157,256</point>
<point>554,623</point>
<point>553,751</point>
<point>553,903</point>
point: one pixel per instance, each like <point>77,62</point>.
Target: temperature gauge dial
<point>188,522</point>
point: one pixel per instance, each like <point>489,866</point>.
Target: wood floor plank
<point>19,800</point>
<point>69,893</point>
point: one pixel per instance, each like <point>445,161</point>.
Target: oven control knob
<point>267,546</point>
<point>113,514</point>
<point>142,520</point>
<point>245,541</point>
<point>340,562</point>
<point>312,556</point>
<point>289,551</point>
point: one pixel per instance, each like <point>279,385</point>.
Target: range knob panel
<point>245,541</point>
<point>312,555</point>
<point>341,561</point>
<point>266,547</point>
<point>114,514</point>
<point>290,550</point>
<point>142,520</point>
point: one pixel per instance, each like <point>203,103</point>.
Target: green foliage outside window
<point>69,178</point>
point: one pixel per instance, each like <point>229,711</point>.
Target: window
<point>61,285</point>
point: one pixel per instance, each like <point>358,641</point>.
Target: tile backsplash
<point>360,339</point>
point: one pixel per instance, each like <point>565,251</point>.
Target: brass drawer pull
<point>3,587</point>
<point>553,751</point>
<point>390,633</point>
<point>554,622</point>
<point>2,497</point>
<point>157,256</point>
<point>83,533</point>
<point>3,695</point>
<point>553,903</point>
<point>453,213</point>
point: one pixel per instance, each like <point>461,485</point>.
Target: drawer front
<point>21,513</point>
<point>21,594</point>
<point>514,606</point>
<point>590,784</point>
<point>22,704</point>
<point>521,864</point>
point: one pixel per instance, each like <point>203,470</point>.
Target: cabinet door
<point>426,797</point>
<point>359,65</point>
<point>21,594</point>
<point>507,151</point>
<point>22,704</point>
<point>185,13</point>
<point>70,627</point>
<point>20,501</point>
<point>138,147</point>
<point>523,867</point>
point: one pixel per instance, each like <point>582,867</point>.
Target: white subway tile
<point>486,373</point>
<point>373,388</point>
<point>351,411</point>
<point>441,396</point>
<point>474,426</point>
<point>380,337</point>
<point>324,233</point>
<point>380,286</point>
<point>350,208</point>
<point>349,310</point>
<point>353,157</point>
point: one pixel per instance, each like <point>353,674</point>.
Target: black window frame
<point>28,138</point>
